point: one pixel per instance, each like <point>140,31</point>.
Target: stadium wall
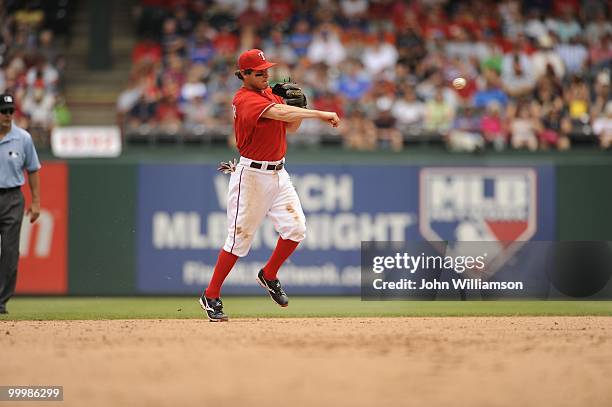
<point>109,241</point>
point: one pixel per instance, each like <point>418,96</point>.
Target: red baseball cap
<point>254,59</point>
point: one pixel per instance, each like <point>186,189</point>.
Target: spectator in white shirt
<point>574,55</point>
<point>517,73</point>
<point>546,55</point>
<point>409,111</point>
<point>379,56</point>
<point>326,47</point>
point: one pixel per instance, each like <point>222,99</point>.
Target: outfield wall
<point>121,228</point>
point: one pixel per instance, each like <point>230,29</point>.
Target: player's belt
<point>5,190</point>
<point>269,167</point>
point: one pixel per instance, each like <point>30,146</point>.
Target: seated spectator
<point>517,74</point>
<point>171,41</point>
<point>193,86</point>
<point>128,98</point>
<point>354,10</point>
<point>523,129</point>
<point>598,28</point>
<point>380,56</point>
<point>566,27</point>
<point>353,82</point>
<point>535,26</point>
<point>492,126</point>
<point>184,21</point>
<point>409,112</point>
<point>492,56</point>
<point>577,99</point>
<point>141,116</point>
<point>38,107</point>
<point>546,56</point>
<point>388,135</point>
<point>43,74</point>
<point>252,14</point>
<point>49,51</point>
<point>300,38</point>
<point>147,50</point>
<point>168,116</point>
<point>554,131</point>
<point>600,53</point>
<point>226,42</point>
<point>316,79</point>
<point>410,45</point>
<point>574,55</point>
<point>428,88</point>
<point>200,49</point>
<point>601,93</point>
<point>358,132</point>
<point>61,113</point>
<point>547,106</point>
<point>197,114</point>
<point>439,114</point>
<point>602,127</point>
<point>278,49</point>
<point>279,11</point>
<point>175,69</point>
<point>465,133</point>
<point>326,47</point>
<point>491,92</point>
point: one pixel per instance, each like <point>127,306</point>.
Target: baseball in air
<point>459,83</point>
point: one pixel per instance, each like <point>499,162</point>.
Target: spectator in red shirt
<point>147,50</point>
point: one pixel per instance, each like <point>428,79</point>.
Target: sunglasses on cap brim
<point>7,110</point>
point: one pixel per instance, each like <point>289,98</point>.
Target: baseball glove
<point>227,167</point>
<point>292,94</point>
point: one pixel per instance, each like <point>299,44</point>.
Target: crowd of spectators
<point>537,72</point>
<point>31,65</point>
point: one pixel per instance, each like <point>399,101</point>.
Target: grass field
<point>93,308</point>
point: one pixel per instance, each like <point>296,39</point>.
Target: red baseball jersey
<point>258,138</point>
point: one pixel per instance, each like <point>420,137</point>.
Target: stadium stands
<point>32,65</point>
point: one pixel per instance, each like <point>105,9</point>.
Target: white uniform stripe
<point>237,209</point>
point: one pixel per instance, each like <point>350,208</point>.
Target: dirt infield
<point>508,361</point>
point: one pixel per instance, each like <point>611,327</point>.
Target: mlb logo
<point>478,204</point>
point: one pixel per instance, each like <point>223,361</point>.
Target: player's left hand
<point>293,95</point>
<point>33,212</point>
<point>227,167</point>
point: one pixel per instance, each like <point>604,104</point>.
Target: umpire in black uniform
<point>17,153</point>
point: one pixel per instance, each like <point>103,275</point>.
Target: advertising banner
<point>86,141</point>
<point>43,244</point>
<point>182,220</point>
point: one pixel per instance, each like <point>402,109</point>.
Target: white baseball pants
<point>254,194</point>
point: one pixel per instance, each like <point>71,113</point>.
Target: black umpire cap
<point>6,101</point>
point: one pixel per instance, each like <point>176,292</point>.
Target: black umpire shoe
<point>213,308</point>
<point>274,289</point>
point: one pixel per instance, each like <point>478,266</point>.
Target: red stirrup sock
<point>224,265</point>
<point>283,250</point>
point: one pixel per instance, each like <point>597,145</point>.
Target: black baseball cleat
<point>213,307</point>
<point>274,289</point>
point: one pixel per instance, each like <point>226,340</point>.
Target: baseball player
<point>259,185</point>
<point>17,153</point>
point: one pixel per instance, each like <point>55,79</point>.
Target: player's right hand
<point>331,118</point>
